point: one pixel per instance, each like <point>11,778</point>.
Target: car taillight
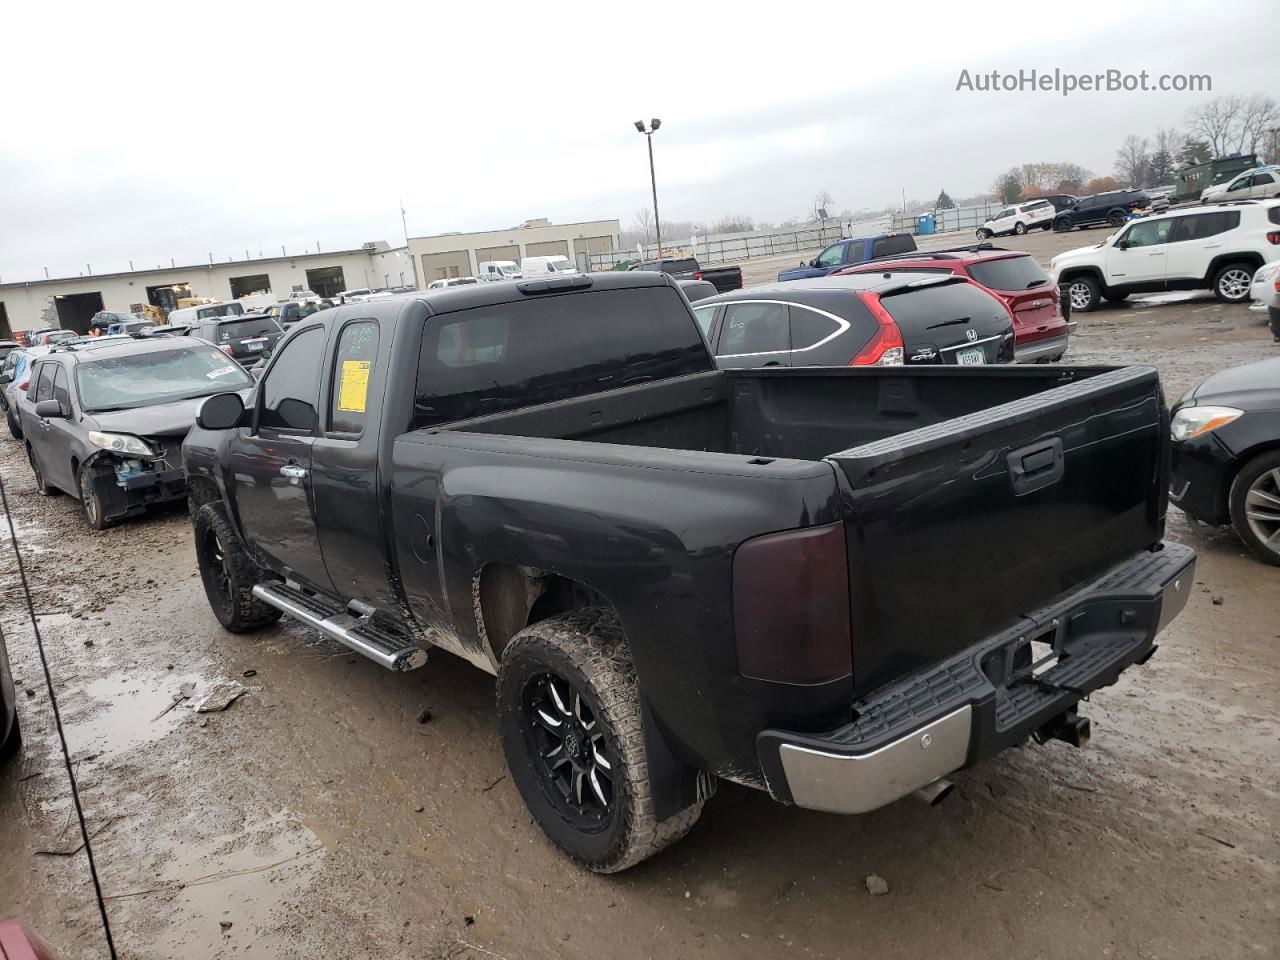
<point>24,383</point>
<point>226,348</point>
<point>697,275</point>
<point>1273,236</point>
<point>791,606</point>
<point>885,348</point>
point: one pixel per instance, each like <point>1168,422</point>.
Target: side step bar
<point>359,633</point>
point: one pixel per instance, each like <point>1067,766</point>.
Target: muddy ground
<point>317,817</point>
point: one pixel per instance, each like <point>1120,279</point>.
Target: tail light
<point>791,606</point>
<point>25,383</point>
<point>1273,236</point>
<point>885,348</point>
<point>697,275</point>
<point>226,348</point>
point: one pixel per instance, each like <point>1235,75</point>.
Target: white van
<point>187,316</point>
<point>535,266</point>
<point>499,270</point>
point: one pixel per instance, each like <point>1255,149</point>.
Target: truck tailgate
<point>957,529</point>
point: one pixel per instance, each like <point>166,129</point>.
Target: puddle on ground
<point>124,711</point>
<point>243,880</point>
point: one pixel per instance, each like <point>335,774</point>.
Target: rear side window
<point>888,246</point>
<point>1197,226</point>
<point>1274,215</point>
<point>754,328</point>
<point>546,348</point>
<point>1037,205</point>
<point>291,386</point>
<point>42,383</point>
<point>1011,273</point>
<point>808,327</point>
<point>352,367</point>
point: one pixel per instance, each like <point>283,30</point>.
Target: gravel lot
<point>318,817</point>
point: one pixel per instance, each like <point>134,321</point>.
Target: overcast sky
<point>147,131</point>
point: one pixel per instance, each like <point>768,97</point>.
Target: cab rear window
<point>888,246</point>
<point>240,329</point>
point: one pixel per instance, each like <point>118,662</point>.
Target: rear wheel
<point>228,572</point>
<point>1255,506</point>
<point>42,488</point>
<point>1273,318</point>
<point>1231,283</point>
<point>1019,228</point>
<point>569,715</point>
<point>1083,293</point>
<point>15,426</point>
<point>1116,219</point>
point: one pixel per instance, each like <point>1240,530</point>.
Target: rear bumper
<point>984,699</point>
<point>1051,348</point>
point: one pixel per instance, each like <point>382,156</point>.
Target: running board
<point>359,633</point>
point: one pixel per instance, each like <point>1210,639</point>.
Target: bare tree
<point>1133,160</point>
<point>642,223</point>
<point>822,200</point>
<point>1217,122</point>
<point>1258,117</point>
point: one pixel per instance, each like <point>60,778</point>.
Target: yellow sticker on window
<point>353,386</point>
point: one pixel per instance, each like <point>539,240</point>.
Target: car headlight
<point>121,443</point>
<point>1193,421</point>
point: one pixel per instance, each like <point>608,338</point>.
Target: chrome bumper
<point>973,705</point>
<point>1040,349</point>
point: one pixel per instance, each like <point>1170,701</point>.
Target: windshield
<point>145,379</point>
<point>239,329</point>
<point>562,266</point>
<point>220,310</point>
<point>1009,273</point>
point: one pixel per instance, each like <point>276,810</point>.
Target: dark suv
<point>1112,209</point>
<point>246,338</point>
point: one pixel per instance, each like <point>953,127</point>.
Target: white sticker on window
<point>220,372</point>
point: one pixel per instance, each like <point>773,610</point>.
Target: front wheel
<point>1255,506</point>
<point>229,573</point>
<point>983,233</point>
<point>1231,283</point>
<point>1019,228</point>
<point>94,509</point>
<point>569,715</point>
<point>1083,293</point>
<point>1062,225</point>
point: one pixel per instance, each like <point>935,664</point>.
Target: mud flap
<point>675,785</point>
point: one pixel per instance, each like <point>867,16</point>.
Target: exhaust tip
<point>932,794</point>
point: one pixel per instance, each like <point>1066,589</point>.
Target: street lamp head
<point>655,123</point>
<point>640,125</point>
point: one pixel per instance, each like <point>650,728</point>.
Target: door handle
<point>293,471</point>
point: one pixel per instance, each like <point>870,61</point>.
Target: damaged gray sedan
<point>105,422</point>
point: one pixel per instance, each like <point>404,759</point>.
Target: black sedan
<point>868,319</point>
<point>1226,454</point>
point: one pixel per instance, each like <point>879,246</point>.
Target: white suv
<point>1256,184</point>
<point>1019,218</point>
<point>1215,247</point>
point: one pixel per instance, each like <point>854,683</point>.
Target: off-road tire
<point>1229,277</point>
<point>42,488</point>
<point>228,572</point>
<point>588,649</point>
<point>1084,293</point>
<point>1237,499</point>
<point>1019,228</point>
<point>90,502</point>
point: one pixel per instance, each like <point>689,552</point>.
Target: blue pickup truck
<point>845,253</point>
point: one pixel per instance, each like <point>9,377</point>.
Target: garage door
<point>498,253</point>
<point>551,248</point>
<point>593,244</point>
<point>441,266</point>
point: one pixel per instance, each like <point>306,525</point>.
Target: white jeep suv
<point>1019,218</point>
<point>1217,247</point>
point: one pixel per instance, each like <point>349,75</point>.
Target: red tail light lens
<point>697,275</point>
<point>885,348</point>
<point>24,384</point>
<point>226,349</point>
<point>1273,236</point>
<point>791,606</point>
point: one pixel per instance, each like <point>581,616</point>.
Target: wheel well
<point>1217,263</point>
<point>1093,273</point>
<point>202,490</point>
<point>510,598</point>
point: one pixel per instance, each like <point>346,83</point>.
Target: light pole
<point>654,124</point>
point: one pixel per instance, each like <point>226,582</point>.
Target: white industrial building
<point>69,302</point>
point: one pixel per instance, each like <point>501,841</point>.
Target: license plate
<point>971,357</point>
<point>252,345</point>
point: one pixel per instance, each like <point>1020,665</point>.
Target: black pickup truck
<point>837,585</point>
<point>687,268</point>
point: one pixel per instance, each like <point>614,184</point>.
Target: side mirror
<point>47,409</point>
<point>1122,244</point>
<point>219,412</point>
